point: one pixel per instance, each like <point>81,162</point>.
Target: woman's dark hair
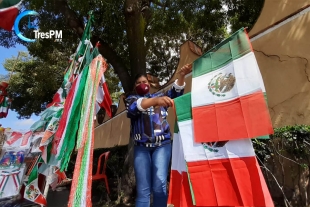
<point>139,75</point>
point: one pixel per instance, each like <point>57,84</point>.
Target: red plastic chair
<point>102,175</point>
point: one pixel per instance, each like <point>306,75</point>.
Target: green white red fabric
<point>10,182</point>
<point>218,173</point>
<point>103,97</point>
<point>32,191</point>
<point>4,107</point>
<point>228,93</point>
<point>8,12</point>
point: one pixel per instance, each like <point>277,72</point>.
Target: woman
<point>151,134</point>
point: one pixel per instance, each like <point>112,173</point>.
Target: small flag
<point>103,97</point>
<point>8,12</point>
<point>32,191</point>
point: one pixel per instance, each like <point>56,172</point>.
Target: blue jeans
<point>151,170</point>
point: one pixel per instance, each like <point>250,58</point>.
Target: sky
<point>11,120</point>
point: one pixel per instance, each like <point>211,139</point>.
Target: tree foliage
<point>136,36</point>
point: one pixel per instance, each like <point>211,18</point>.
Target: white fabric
<point>69,113</point>
<point>100,92</point>
<point>139,101</point>
<point>177,87</point>
<point>247,80</point>
<point>10,187</point>
<point>178,162</point>
<point>195,151</point>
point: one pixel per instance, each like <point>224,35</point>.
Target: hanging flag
<point>32,191</point>
<point>13,137</point>
<point>63,122</point>
<point>227,94</point>
<point>10,182</point>
<point>103,97</point>
<point>227,171</point>
<point>8,12</point>
<point>4,107</point>
<point>179,187</point>
<point>58,98</point>
<point>26,139</point>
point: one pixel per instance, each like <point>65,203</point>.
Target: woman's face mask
<point>142,89</point>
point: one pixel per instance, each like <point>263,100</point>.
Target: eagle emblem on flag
<point>221,84</point>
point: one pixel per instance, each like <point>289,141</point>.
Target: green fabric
<point>72,125</point>
<point>5,102</point>
<point>38,126</point>
<point>191,186</point>
<point>34,173</point>
<point>176,128</point>
<point>265,136</point>
<point>183,107</point>
<point>230,49</point>
<point>86,35</point>
<point>8,3</point>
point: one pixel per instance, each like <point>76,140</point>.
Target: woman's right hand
<point>164,101</point>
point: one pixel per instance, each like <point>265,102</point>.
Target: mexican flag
<point>228,93</point>
<point>103,99</point>
<point>4,107</point>
<point>179,187</point>
<point>32,191</point>
<point>219,173</point>
<point>8,12</point>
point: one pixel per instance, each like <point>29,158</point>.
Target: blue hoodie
<point>149,127</point>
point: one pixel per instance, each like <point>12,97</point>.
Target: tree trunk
<point>136,23</point>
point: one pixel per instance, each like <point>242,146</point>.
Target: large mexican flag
<point>228,93</point>
<point>8,12</point>
<point>216,174</point>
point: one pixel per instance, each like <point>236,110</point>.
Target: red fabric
<point>14,137</point>
<point>7,18</point>
<point>3,114</point>
<point>56,99</point>
<point>26,138</point>
<point>63,119</point>
<point>237,119</point>
<point>229,182</point>
<point>107,101</point>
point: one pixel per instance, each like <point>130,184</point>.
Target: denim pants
<point>151,170</point>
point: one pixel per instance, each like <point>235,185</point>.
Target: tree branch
<point>61,6</point>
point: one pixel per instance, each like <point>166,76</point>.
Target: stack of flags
<point>213,160</point>
<point>68,124</point>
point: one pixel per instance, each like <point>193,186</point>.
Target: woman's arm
<point>179,85</point>
<point>184,70</point>
<point>156,101</point>
<point>135,105</point>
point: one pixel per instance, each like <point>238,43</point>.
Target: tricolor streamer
<point>80,194</point>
